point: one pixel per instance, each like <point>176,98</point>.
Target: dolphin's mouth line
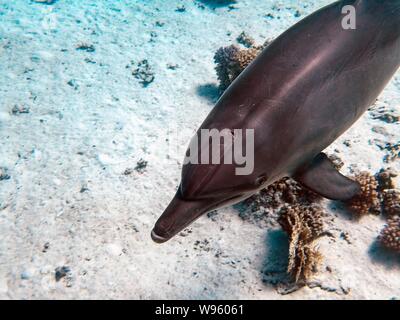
<point>156,238</point>
<point>167,235</point>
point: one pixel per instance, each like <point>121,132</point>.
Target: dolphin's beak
<point>179,214</point>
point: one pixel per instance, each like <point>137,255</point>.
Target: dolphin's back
<point>313,82</point>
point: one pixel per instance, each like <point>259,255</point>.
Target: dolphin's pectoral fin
<point>322,177</point>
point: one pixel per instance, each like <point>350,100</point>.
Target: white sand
<point>87,138</point>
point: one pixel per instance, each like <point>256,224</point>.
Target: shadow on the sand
<point>384,256</point>
<point>340,209</point>
<point>209,91</point>
<point>276,258</point>
<point>217,3</point>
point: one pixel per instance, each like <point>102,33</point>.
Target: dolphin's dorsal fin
<point>322,177</point>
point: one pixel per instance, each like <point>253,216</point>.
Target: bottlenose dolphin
<point>299,95</point>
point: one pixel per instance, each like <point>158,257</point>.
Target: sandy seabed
<point>75,209</point>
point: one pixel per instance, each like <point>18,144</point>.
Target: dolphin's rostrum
<point>301,93</point>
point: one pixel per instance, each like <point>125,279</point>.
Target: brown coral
<point>304,259</point>
<point>390,235</point>
<point>303,224</point>
<point>231,61</point>
<point>367,201</point>
<point>391,202</point>
<point>293,192</point>
<point>285,190</point>
<point>302,218</point>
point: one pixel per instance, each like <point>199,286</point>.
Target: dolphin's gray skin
<point>300,94</point>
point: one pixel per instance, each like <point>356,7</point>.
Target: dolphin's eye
<point>261,180</point>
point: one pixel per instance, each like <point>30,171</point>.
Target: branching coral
<point>293,192</point>
<point>390,235</point>
<point>231,61</point>
<point>303,224</point>
<point>285,190</point>
<point>306,220</point>
<point>367,201</point>
<point>391,202</point>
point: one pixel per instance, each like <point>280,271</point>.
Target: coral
<point>390,235</point>
<point>367,201</point>
<point>385,179</point>
<point>304,225</point>
<point>391,202</point>
<point>231,61</point>
<point>302,219</point>
<point>293,192</point>
<point>303,260</point>
<point>285,190</point>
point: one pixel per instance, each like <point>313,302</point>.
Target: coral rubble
<point>85,47</point>
<point>393,152</point>
<point>381,111</point>
<point>141,166</point>
<point>385,179</point>
<point>19,109</point>
<point>143,72</point>
<point>4,174</point>
<point>245,40</point>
